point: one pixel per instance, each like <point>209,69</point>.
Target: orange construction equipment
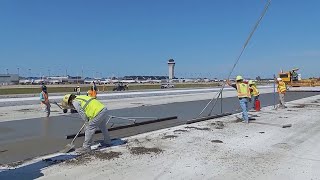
<point>293,79</point>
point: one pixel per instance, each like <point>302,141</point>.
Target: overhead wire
<point>237,60</point>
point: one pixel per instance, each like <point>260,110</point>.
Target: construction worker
<point>94,113</point>
<point>94,86</point>
<point>44,98</point>
<point>243,95</point>
<point>254,92</point>
<point>78,90</point>
<point>92,93</point>
<point>282,89</point>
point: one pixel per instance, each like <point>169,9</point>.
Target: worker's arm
<point>81,112</point>
<point>228,82</point>
<point>232,85</point>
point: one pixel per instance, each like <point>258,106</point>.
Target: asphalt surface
<point>25,139</point>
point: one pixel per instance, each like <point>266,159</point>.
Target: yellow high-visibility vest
<point>282,87</point>
<point>255,91</point>
<point>243,90</point>
<point>91,106</point>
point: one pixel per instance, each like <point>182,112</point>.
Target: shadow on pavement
<point>33,171</point>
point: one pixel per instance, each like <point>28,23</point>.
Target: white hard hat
<point>238,78</point>
<point>279,79</point>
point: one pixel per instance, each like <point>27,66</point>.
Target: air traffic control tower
<point>171,65</point>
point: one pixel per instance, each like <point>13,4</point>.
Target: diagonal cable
<point>237,59</point>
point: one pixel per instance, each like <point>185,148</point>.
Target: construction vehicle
<point>121,87</point>
<point>293,79</point>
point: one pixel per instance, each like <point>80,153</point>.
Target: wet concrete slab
<point>30,138</point>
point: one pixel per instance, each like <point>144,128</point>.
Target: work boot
<point>282,107</point>
<point>104,145</point>
<point>83,150</point>
<point>244,121</point>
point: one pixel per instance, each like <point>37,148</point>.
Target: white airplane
<point>106,81</point>
<point>128,81</point>
<point>26,81</point>
<point>154,81</point>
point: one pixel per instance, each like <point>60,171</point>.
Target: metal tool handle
<point>124,118</point>
<point>57,104</point>
<point>274,91</point>
<point>78,133</point>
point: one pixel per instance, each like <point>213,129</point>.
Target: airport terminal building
<point>9,79</point>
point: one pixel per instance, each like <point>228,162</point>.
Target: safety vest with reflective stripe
<point>255,91</point>
<point>46,98</point>
<point>91,106</point>
<point>243,90</point>
<point>282,87</point>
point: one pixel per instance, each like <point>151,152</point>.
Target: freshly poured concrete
<point>29,138</point>
<point>20,111</point>
<point>238,151</point>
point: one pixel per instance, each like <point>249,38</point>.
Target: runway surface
<point>115,95</point>
<point>24,139</point>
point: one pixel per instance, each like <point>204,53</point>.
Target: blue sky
<point>126,37</point>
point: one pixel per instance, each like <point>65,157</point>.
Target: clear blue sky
<point>137,37</point>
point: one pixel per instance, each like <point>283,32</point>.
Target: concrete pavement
<point>39,136</point>
<point>258,150</point>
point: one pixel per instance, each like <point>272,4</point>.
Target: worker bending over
<point>282,89</point>
<point>92,92</point>
<point>243,95</point>
<point>44,98</point>
<point>254,92</point>
<point>94,113</point>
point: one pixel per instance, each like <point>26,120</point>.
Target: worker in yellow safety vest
<point>244,96</point>
<point>92,92</point>
<point>282,89</point>
<point>254,92</point>
<point>44,99</point>
<point>94,113</point>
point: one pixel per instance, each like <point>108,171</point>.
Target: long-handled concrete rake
<point>71,146</point>
<point>64,110</point>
